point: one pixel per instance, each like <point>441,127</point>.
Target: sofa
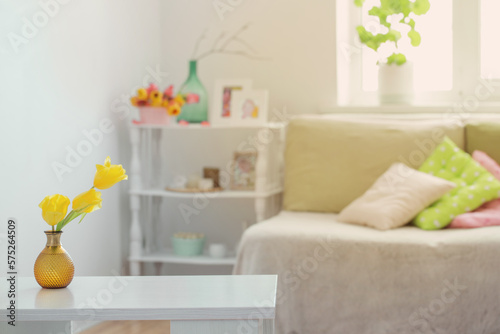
<point>342,278</point>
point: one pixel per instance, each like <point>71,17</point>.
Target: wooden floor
<point>130,327</point>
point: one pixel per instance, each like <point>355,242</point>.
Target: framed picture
<point>221,112</point>
<point>249,107</point>
<point>243,173</point>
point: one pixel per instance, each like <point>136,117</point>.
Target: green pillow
<point>475,186</point>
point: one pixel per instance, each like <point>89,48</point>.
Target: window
<point>432,60</point>
<point>459,46</point>
<point>490,49</point>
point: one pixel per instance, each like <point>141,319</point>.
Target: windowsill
<point>483,108</point>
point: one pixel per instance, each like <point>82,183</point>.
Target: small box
<point>212,173</point>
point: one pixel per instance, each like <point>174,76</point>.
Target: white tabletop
<point>145,298</point>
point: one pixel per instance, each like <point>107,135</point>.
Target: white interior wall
<point>67,77</point>
<point>77,68</point>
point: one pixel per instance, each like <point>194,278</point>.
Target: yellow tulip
<point>156,99</point>
<point>54,208</point>
<point>180,100</point>
<point>134,101</point>
<point>87,201</point>
<point>142,94</point>
<point>107,175</point>
<point>173,109</point>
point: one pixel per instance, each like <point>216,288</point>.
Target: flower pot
<point>155,115</point>
<point>54,267</point>
<point>395,83</point>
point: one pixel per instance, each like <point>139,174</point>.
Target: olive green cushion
<point>475,186</point>
<point>329,162</point>
<point>484,136</point>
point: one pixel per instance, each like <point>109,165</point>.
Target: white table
<point>193,304</point>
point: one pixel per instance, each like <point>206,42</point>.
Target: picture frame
<point>223,91</point>
<point>249,107</point>
<point>243,173</point>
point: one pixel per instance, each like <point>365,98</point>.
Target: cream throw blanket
<point>347,279</point>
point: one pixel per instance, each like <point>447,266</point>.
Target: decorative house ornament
<point>54,267</point>
<point>250,107</point>
<point>212,173</point>
<point>393,19</point>
<point>217,251</point>
<point>188,244</point>
<point>195,183</point>
<point>244,171</point>
<point>206,184</point>
<point>224,92</point>
<point>196,112</point>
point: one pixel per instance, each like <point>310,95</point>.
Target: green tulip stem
<point>83,216</point>
<point>72,215</point>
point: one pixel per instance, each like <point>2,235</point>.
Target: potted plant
<point>395,21</point>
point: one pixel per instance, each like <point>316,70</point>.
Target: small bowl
<point>188,247</point>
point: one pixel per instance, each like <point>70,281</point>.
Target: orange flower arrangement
<point>152,97</point>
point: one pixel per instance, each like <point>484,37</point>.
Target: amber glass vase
<point>54,267</point>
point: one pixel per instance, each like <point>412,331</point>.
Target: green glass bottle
<point>194,112</point>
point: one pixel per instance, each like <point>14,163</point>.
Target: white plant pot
<point>395,83</point>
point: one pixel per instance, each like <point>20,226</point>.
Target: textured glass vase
<point>54,267</point>
<point>194,112</point>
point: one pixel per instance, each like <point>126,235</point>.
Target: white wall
<point>67,78</point>
<point>78,68</point>
<point>298,36</point>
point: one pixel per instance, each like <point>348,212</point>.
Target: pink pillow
<point>488,163</point>
<point>489,213</point>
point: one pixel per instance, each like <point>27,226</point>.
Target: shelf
<point>220,194</point>
<point>169,257</point>
<point>209,127</point>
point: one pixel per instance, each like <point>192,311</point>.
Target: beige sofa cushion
<point>330,161</point>
<point>484,136</point>
<point>395,198</point>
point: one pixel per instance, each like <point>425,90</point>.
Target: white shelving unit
<point>221,194</point>
<point>168,256</point>
<point>147,194</point>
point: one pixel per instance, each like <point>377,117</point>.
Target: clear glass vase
<point>194,112</point>
<point>54,267</point>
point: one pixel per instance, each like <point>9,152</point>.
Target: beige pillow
<point>329,162</point>
<point>395,198</point>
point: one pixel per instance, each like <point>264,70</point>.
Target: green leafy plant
<point>393,8</point>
